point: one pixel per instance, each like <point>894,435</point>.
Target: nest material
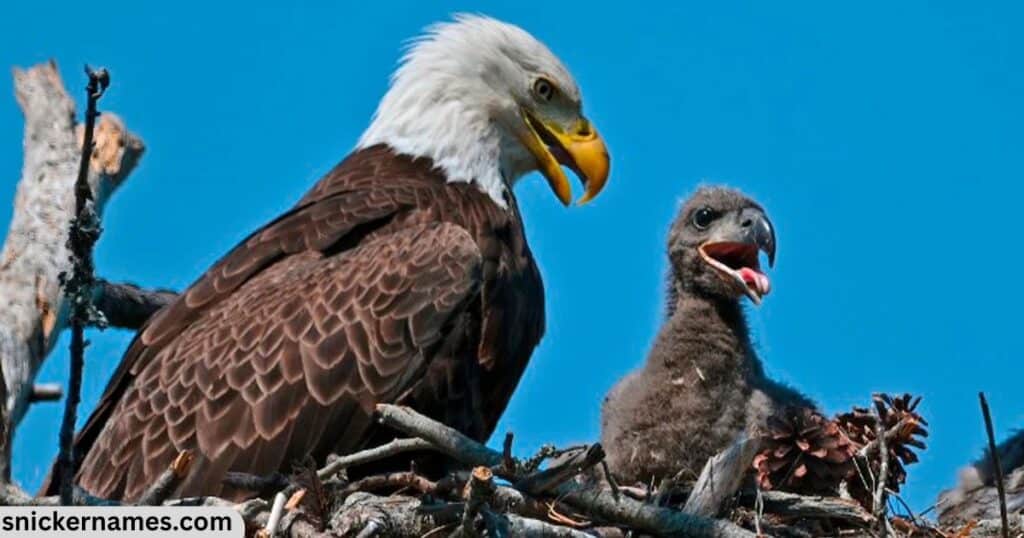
<point>899,416</point>
<point>804,452</point>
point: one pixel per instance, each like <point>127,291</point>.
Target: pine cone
<point>859,425</point>
<point>804,452</point>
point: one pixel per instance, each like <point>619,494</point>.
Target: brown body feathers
<point>384,283</point>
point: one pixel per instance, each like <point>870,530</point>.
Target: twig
<point>372,528</point>
<point>891,434</point>
<point>507,460</point>
<point>167,481</point>
<point>613,484</point>
<point>78,287</point>
<point>275,514</point>
<point>994,454</point>
<point>478,495</point>
<point>387,450</point>
<point>404,479</point>
<point>591,500</point>
<point>879,504</point>
<point>261,485</point>
<point>562,471</point>
<point>46,392</point>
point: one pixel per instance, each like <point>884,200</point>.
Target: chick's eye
<point>704,217</point>
<point>544,89</point>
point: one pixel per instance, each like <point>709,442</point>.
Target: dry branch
<point>82,235</point>
<point>387,450</point>
<point>721,477</point>
<point>558,473</point>
<point>996,464</point>
<point>46,392</point>
<point>166,483</point>
<point>816,507</point>
<point>127,306</point>
<point>35,252</point>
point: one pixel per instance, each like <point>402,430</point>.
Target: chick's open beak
<point>733,249</point>
<point>580,148</point>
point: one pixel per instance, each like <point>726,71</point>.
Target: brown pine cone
<point>803,452</point>
<point>906,428</point>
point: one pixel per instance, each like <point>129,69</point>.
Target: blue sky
<point>883,138</point>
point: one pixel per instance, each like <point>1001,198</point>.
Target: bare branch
<point>85,230</point>
<point>128,306</point>
<point>996,465</point>
<point>562,471</point>
<point>170,479</point>
<point>721,477</point>
<point>793,505</point>
<point>387,450</point>
<point>46,392</point>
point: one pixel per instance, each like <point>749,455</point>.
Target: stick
<point>883,473</point>
<point>275,514</point>
<point>127,306</point>
<point>170,479</point>
<point>562,471</point>
<point>46,392</point>
<point>392,448</point>
<point>78,288</point>
<point>403,479</point>
<point>815,507</point>
<point>992,450</point>
<point>625,511</point>
<point>479,491</point>
<point>721,477</point>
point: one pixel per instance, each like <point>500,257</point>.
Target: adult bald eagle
<point>403,276</point>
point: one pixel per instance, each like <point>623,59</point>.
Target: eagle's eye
<point>543,89</point>
<point>704,217</point>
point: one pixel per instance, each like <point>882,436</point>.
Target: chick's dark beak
<point>732,251</point>
<point>758,230</point>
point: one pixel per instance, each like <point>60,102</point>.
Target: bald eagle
<point>702,382</point>
<point>402,276</point>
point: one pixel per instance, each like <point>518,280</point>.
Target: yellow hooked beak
<point>581,149</point>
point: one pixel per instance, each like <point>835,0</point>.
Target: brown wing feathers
<point>283,347</point>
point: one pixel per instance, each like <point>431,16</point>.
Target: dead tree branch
<point>85,230</point>
<point>996,464</point>
<point>801,506</point>
<point>879,504</point>
<point>562,471</point>
<point>127,306</point>
<point>721,477</point>
<point>397,446</point>
<point>35,252</point>
<point>170,479</point>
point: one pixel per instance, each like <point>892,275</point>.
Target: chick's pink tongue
<point>757,280</point>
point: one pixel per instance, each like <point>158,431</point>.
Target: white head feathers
<point>457,95</point>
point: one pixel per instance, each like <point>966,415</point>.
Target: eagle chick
<point>702,383</point>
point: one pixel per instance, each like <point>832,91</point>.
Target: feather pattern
<point>385,283</point>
